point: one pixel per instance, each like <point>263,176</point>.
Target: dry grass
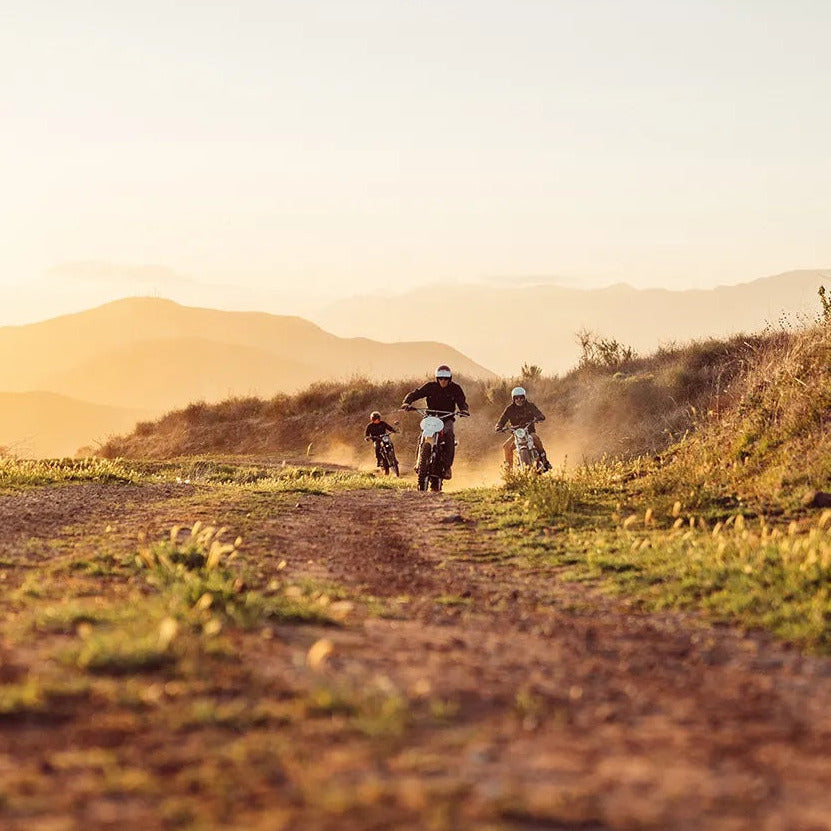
<point>626,408</point>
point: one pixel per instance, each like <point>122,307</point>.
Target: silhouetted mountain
<point>504,327</point>
<point>157,354</point>
<point>153,355</point>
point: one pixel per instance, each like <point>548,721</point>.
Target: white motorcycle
<point>525,449</point>
<point>432,446</point>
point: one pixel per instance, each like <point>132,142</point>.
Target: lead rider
<point>443,395</point>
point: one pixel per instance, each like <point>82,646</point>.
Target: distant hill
<point>171,372</point>
<point>148,356</point>
<point>155,354</point>
<point>504,327</point>
<point>42,424</point>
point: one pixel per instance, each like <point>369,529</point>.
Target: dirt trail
<point>589,712</point>
<point>552,705</point>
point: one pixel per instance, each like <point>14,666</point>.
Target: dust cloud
<point>343,455</point>
<point>467,472</point>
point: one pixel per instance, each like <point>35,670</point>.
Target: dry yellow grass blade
<point>319,652</point>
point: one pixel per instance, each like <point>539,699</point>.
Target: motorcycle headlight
<point>521,433</point>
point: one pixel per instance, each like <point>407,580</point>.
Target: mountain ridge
<point>151,355</point>
<point>542,321</point>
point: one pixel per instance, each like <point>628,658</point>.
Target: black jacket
<point>445,400</point>
<point>519,416</point>
<point>377,430</point>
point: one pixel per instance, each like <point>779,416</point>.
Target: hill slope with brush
<point>615,405</point>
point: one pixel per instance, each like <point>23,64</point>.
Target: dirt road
<point>463,689</point>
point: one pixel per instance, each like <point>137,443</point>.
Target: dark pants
<point>449,444</point>
<point>378,457</point>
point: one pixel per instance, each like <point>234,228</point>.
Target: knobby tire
<point>423,466</point>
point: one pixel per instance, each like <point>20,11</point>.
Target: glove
<point>464,413</point>
<point>497,429</point>
<point>367,438</point>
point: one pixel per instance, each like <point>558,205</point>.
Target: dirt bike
<point>386,451</point>
<point>430,454</point>
<point>525,448</point>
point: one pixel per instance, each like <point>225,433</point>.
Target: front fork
<point>436,449</point>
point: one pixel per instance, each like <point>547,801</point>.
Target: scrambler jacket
<point>445,400</point>
<point>519,416</point>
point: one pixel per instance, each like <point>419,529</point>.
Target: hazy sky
<point>347,146</point>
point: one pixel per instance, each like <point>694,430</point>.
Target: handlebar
<point>511,427</point>
<point>438,413</point>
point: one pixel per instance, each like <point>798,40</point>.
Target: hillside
<point>504,326</point>
<point>718,416</point>
<point>620,408</point>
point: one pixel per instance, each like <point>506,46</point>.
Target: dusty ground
<point>461,690</point>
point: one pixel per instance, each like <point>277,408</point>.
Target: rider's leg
<point>508,450</point>
<point>378,458</point>
<point>449,445</point>
<point>541,450</point>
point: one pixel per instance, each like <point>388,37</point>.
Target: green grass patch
<point>205,583</point>
<point>755,572</point>
<point>64,618</point>
<point>16,473</point>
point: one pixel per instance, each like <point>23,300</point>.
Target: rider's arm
<point>461,401</point>
<point>502,419</point>
<point>538,416</point>
<point>415,395</point>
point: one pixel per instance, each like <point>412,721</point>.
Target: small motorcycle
<point>387,454</point>
<point>525,449</point>
<point>430,454</point>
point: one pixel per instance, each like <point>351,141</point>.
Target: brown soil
<point>492,695</point>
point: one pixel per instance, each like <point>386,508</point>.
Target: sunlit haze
<point>307,151</point>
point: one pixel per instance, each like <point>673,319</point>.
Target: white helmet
<point>443,371</point>
<point>518,391</point>
<point>374,414</point>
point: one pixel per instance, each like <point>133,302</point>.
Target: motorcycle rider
<point>443,395</point>
<point>376,428</point>
<point>521,413</point>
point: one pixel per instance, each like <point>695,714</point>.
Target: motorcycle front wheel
<point>436,471</point>
<point>423,466</point>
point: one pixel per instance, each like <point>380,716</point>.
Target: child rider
<point>377,428</point>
